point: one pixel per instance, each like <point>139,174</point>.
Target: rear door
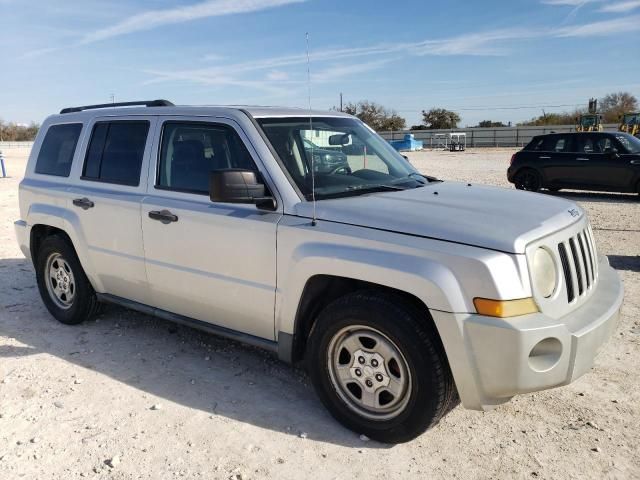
<point>107,200</point>
<point>210,261</point>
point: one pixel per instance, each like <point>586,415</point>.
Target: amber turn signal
<point>505,308</point>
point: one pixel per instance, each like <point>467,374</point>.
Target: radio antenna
<point>314,220</point>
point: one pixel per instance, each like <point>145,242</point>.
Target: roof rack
<point>146,103</point>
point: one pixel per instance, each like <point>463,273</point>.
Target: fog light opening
<point>545,354</point>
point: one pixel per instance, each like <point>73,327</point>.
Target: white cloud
<point>621,7</point>
<point>571,3</point>
<point>326,65</point>
<point>156,18</point>
<point>277,75</point>
<point>602,28</point>
<point>336,72</point>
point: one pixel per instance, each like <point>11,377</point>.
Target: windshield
<point>351,158</point>
<point>631,143</point>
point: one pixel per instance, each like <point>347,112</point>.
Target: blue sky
<point>484,59</point>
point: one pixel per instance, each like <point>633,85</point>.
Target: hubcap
<point>369,372</point>
<point>60,282</point>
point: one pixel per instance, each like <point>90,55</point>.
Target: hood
<point>490,217</point>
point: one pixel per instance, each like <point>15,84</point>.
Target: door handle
<point>84,203</point>
<point>635,162</point>
<point>582,159</point>
<point>164,216</point>
<point>544,158</point>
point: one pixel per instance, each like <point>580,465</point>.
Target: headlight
<point>543,273</point>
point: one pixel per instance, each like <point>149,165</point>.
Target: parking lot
<point>131,396</point>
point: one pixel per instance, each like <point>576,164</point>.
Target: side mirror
<point>236,185</point>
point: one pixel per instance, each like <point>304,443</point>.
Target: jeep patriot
<point>401,294</point>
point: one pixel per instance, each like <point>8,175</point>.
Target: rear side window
<point>116,151</point>
<point>56,153</point>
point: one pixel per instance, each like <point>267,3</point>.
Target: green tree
<point>490,124</point>
<point>440,118</point>
<point>376,116</point>
<point>564,118</point>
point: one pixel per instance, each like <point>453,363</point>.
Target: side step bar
<point>263,343</point>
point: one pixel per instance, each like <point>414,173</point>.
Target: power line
<point>514,107</point>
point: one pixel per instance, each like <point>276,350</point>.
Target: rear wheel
<point>63,285</point>
<point>379,368</point>
<point>528,179</point>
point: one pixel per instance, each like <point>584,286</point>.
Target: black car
<point>581,161</point>
<point>325,160</point>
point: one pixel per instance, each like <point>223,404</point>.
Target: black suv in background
<point>582,161</point>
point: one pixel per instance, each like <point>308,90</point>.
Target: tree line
<point>380,118</point>
<point>13,132</point>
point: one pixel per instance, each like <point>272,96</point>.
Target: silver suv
<point>402,294</point>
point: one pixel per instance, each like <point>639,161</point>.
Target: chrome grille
<point>579,264</point>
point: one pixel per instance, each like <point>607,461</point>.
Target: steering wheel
<point>342,168</point>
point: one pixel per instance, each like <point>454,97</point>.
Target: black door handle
<point>164,216</point>
<point>83,203</point>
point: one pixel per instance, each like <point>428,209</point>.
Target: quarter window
<point>190,151</point>
<point>57,150</point>
<point>116,151</point>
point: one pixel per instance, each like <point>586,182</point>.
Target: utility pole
<point>113,98</point>
<point>341,101</point>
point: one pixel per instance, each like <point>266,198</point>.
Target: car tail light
<point>513,157</point>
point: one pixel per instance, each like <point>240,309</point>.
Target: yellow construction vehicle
<point>630,123</point>
<point>592,121</point>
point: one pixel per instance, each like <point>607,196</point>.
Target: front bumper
<point>493,359</point>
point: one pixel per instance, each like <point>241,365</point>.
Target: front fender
<point>426,279</point>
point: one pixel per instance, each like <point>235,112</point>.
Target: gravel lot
<point>130,396</point>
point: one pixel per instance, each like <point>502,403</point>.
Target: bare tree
<point>12,132</point>
<point>614,105</point>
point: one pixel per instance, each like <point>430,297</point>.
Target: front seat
<point>189,168</point>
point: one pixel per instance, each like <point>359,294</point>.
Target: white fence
<point>489,137</point>
<point>8,145</point>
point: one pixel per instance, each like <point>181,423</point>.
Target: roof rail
<point>146,103</point>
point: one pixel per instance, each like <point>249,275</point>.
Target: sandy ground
<point>75,400</point>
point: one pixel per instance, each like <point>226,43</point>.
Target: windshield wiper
<point>423,177</point>
<point>361,190</point>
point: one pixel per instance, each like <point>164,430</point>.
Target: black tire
<point>528,179</point>
<point>84,304</point>
<point>432,392</point>
<point>554,189</point>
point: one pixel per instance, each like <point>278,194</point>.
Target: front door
<point>209,261</point>
<point>558,161</point>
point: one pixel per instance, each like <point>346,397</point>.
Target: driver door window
<point>190,151</point>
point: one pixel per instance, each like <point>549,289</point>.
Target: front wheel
<point>379,368</point>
